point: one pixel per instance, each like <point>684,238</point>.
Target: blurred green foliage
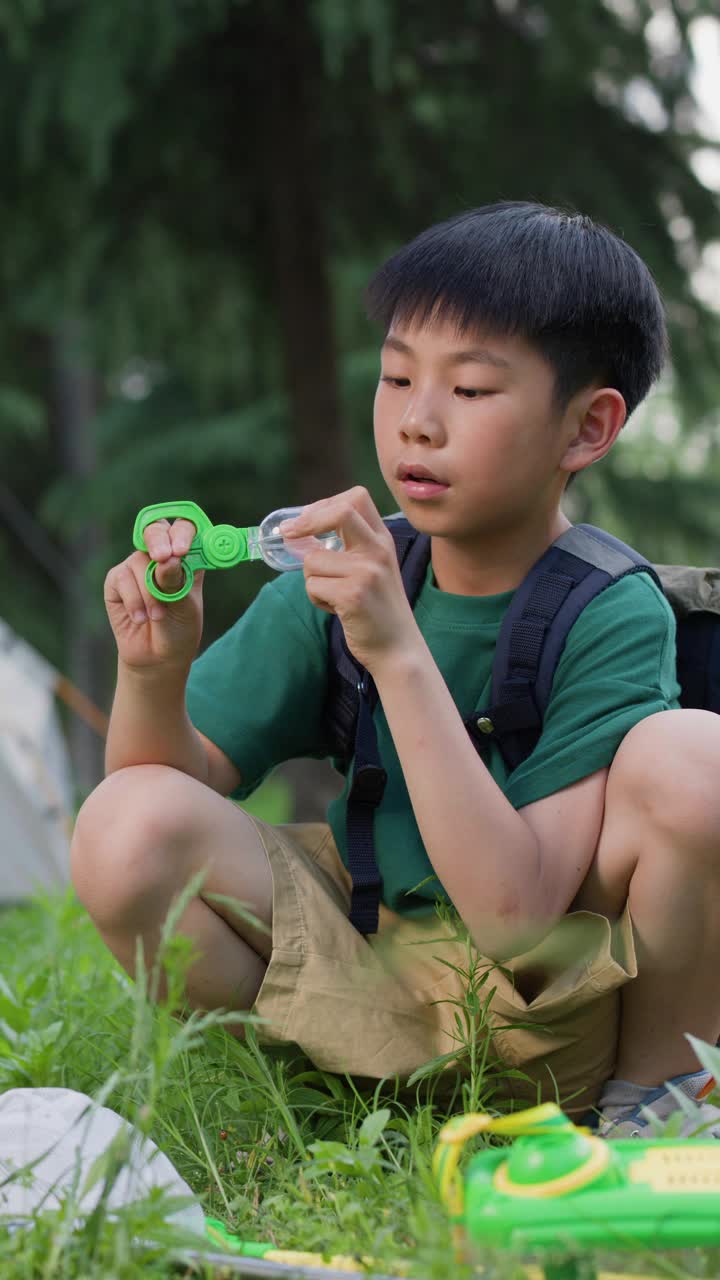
<point>272,802</point>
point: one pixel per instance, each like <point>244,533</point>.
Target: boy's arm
<point>149,724</point>
<point>156,644</point>
<point>511,874</point>
<point>223,776</point>
<point>217,718</point>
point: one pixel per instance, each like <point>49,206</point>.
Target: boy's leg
<point>659,849</point>
<point>138,840</point>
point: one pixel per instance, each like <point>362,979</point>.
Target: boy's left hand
<point>361,584</point>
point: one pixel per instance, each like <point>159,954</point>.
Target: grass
<point>276,1149</point>
<point>272,801</point>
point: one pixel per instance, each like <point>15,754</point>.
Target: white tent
<point>36,795</point>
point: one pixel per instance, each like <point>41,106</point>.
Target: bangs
<point>528,274</point>
<point>568,285</point>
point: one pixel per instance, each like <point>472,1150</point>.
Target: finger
<point>122,587</point>
<point>169,544</point>
<point>312,519</point>
<point>326,509</point>
<point>329,564</point>
<point>169,575</point>
<point>318,594</point>
<point>314,510</point>
<point>157,540</point>
<point>182,533</point>
<point>340,515</point>
<point>365,505</point>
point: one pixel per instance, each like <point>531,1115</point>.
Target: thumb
<point>169,574</point>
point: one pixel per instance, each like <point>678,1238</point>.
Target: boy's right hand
<point>149,632</point>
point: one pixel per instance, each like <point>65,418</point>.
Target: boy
<point>517,339</point>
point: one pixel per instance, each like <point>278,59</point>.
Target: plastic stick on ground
<point>292,1267</point>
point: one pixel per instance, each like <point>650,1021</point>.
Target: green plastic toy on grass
<point>222,546</point>
<point>556,1196</point>
<point>561,1188</point>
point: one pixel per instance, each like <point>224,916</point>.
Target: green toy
<point>559,1188</point>
<point>558,1193</point>
<point>222,546</point>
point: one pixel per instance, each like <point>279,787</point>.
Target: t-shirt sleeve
<point>259,691</point>
<point>618,666</point>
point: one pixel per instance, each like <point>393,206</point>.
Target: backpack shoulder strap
<point>580,564</point>
<point>352,697</point>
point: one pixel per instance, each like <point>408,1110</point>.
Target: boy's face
<point>468,436</point>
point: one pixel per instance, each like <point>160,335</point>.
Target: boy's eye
<point>395,382</point>
<point>471,393</point>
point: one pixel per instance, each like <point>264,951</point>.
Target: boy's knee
<point>666,771</point>
<point>122,844</point>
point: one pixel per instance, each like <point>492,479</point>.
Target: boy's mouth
<point>419,482</point>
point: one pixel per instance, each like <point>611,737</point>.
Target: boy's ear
<point>598,419</point>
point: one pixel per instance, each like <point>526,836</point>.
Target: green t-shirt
<point>259,693</point>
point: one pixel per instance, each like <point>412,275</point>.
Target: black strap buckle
<point>368,785</point>
<point>517,714</point>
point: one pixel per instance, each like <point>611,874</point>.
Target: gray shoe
<point>678,1109</point>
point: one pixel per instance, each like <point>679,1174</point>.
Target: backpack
<point>580,564</point>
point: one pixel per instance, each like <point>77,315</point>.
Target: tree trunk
<point>299,253</point>
<point>73,398</point>
<point>320,447</point>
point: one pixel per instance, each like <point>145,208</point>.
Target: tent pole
<point>83,706</point>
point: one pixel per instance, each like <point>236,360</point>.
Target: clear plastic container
<point>266,543</point>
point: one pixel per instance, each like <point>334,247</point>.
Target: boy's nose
<point>422,422</point>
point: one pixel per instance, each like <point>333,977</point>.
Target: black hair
<point>570,287</point>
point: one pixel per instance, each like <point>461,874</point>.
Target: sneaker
<point>631,1111</point>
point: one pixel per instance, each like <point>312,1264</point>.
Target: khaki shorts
<point>385,1005</point>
